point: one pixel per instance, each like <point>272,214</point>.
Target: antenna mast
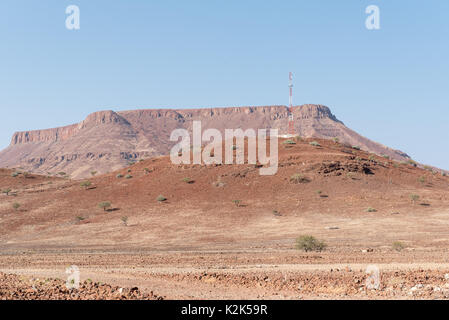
<point>291,122</point>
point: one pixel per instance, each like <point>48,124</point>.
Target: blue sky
<point>390,85</point>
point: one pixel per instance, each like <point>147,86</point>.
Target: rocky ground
<point>16,287</point>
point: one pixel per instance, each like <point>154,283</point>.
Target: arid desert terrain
<point>226,232</point>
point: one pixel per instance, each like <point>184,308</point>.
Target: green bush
<point>310,243</point>
<point>85,184</point>
<point>6,191</point>
<point>422,179</point>
<point>398,246</point>
<point>369,209</point>
<point>161,198</point>
<point>124,220</point>
<point>14,174</point>
<point>93,173</point>
<point>289,142</point>
<point>104,205</point>
<point>128,176</point>
<point>414,198</point>
<point>16,205</point>
<point>237,202</point>
<point>315,144</point>
<point>356,147</point>
<point>119,176</point>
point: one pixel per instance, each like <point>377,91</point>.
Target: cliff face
<point>108,140</point>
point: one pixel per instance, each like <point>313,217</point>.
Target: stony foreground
<point>15,287</point>
<point>253,275</point>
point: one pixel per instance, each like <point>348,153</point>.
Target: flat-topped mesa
<point>63,133</point>
<point>54,134</point>
<point>107,140</point>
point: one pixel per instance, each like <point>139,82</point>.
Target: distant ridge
<point>108,140</point>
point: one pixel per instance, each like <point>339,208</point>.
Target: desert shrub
<point>85,184</point>
<point>161,198</point>
<point>356,147</point>
<point>124,220</point>
<point>79,218</point>
<point>62,173</point>
<point>276,213</point>
<point>310,243</point>
<point>422,179</point>
<point>429,168</point>
<point>319,192</point>
<point>336,140</point>
<point>289,142</point>
<point>315,144</point>
<point>6,191</point>
<point>104,205</point>
<point>369,209</point>
<point>14,174</point>
<point>119,176</point>
<point>398,246</point>
<point>386,156</point>
<point>16,205</point>
<point>146,170</point>
<point>187,180</point>
<point>129,170</point>
<point>128,176</point>
<point>299,178</point>
<point>237,202</point>
<point>93,173</point>
<point>414,198</point>
<point>413,163</point>
<point>443,173</point>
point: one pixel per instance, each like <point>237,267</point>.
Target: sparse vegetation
<point>16,205</point>
<point>124,220</point>
<point>289,142</point>
<point>315,144</point>
<point>277,213</point>
<point>93,173</point>
<point>356,147</point>
<point>146,170</point>
<point>369,209</point>
<point>14,174</point>
<point>104,205</point>
<point>187,180</point>
<point>422,179</point>
<point>398,246</point>
<point>62,173</point>
<point>128,176</point>
<point>386,156</point>
<point>299,178</point>
<point>80,218</point>
<point>414,198</point>
<point>86,184</point>
<point>119,176</point>
<point>310,243</point>
<point>6,191</point>
<point>237,203</point>
<point>336,140</point>
<point>161,198</point>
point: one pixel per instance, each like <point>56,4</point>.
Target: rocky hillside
<point>109,140</point>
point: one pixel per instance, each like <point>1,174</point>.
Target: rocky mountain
<point>109,140</point>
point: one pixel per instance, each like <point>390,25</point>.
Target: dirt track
<point>247,275</point>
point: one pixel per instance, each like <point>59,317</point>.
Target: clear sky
<point>390,85</point>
